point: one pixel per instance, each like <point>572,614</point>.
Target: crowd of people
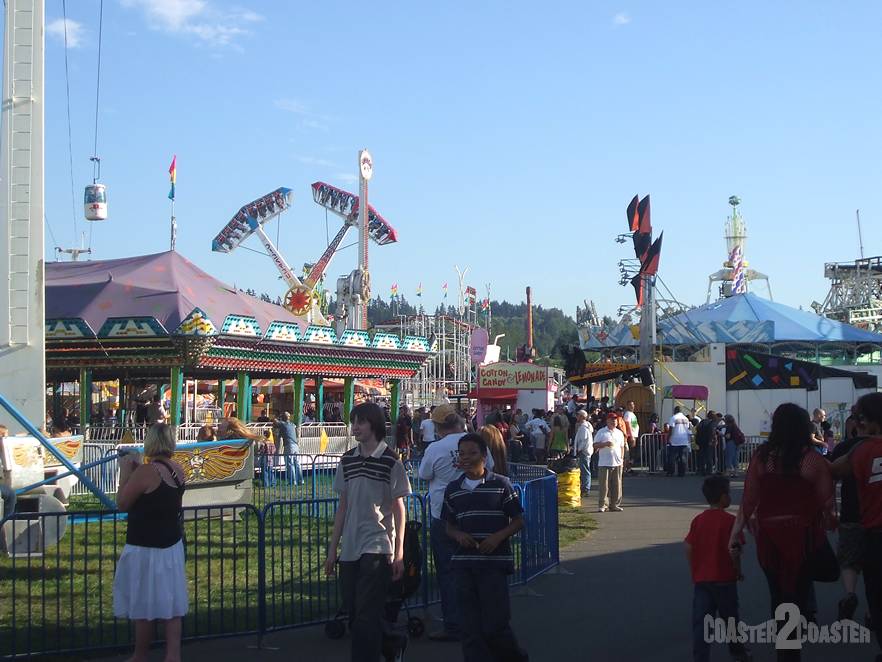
<point>789,505</point>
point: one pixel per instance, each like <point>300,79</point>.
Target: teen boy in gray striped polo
<point>372,484</point>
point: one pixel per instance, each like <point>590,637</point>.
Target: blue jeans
<point>290,461</point>
<point>482,595</point>
<point>676,460</point>
<point>585,471</point>
<point>365,585</point>
<point>443,548</point>
<point>731,456</point>
<point>9,500</point>
<point>712,599</point>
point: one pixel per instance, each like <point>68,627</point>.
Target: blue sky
<point>507,137</point>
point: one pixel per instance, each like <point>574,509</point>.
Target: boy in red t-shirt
<point>715,569</point>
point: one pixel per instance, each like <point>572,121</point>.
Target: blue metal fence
<point>250,570</point>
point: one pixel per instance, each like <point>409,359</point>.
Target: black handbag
<point>823,566</point>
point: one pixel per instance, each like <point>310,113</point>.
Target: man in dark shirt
<point>850,548</point>
<point>482,512</point>
<point>705,437</point>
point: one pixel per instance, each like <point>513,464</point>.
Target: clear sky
<point>507,136</point>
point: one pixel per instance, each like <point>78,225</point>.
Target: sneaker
<point>602,509</point>
<point>443,635</point>
<point>585,493</point>
<point>847,606</point>
<point>617,509</point>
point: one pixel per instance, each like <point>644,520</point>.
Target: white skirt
<point>150,583</point>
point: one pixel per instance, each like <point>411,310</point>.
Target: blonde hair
<point>493,437</point>
<point>236,429</point>
<point>159,440</point>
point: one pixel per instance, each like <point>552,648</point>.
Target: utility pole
<point>860,235</point>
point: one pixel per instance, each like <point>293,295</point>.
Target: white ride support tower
<point>22,332</point>
<point>736,240</point>
<point>855,295</point>
<point>365,172</point>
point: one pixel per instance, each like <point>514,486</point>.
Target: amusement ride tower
<point>735,275</point>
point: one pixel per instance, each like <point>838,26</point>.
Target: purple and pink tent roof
<point>165,286</point>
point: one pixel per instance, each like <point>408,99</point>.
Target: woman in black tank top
<point>150,583</point>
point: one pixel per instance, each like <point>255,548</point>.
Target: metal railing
<point>250,570</point>
<point>652,451</point>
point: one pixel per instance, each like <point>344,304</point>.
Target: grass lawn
<point>573,525</point>
<point>63,600</point>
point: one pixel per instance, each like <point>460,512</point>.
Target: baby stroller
<point>395,636</point>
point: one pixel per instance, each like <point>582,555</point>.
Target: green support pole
<point>56,401</point>
<point>123,395</point>
<point>298,400</point>
<point>85,398</point>
<point>395,392</point>
<point>320,399</point>
<point>348,397</point>
<point>243,395</point>
<point>177,389</point>
<point>221,393</point>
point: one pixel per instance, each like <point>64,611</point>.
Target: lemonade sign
<point>526,376</point>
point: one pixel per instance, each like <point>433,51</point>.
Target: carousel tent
<point>164,286</point>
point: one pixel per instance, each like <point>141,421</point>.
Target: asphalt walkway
<point>628,597</point>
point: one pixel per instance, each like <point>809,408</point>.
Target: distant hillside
<point>551,327</point>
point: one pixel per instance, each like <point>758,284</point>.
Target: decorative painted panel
<point>415,344</point>
<point>57,329</point>
<point>196,324</point>
<point>383,340</point>
<point>283,332</point>
<point>355,338</point>
<point>240,325</point>
<point>324,335</point>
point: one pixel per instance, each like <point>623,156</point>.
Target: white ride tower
<point>22,332</point>
<point>735,275</point>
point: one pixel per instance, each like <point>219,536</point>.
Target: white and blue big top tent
<point>691,349</point>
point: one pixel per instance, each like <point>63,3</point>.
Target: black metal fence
<point>250,570</point>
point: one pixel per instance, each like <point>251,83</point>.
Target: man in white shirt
<point>632,453</point>
<point>537,434</point>
<point>440,467</point>
<point>584,447</point>
<point>609,443</point>
<point>679,439</point>
<point>427,429</point>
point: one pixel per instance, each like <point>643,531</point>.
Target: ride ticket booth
<point>524,386</point>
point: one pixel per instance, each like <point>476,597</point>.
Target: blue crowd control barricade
<point>297,591</point>
<point>249,570</point>
<point>283,478</point>
<point>58,583</point>
<point>221,546</point>
<point>324,468</point>
<point>538,540</point>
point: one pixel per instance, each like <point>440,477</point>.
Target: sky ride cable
<point>96,161</point>
<point>69,138</point>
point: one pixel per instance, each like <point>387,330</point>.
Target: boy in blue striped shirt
<point>482,512</point>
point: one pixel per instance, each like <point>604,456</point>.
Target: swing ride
<point>303,297</point>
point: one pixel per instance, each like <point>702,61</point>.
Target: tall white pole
<point>174,227</point>
<point>365,172</point>
<point>22,332</point>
